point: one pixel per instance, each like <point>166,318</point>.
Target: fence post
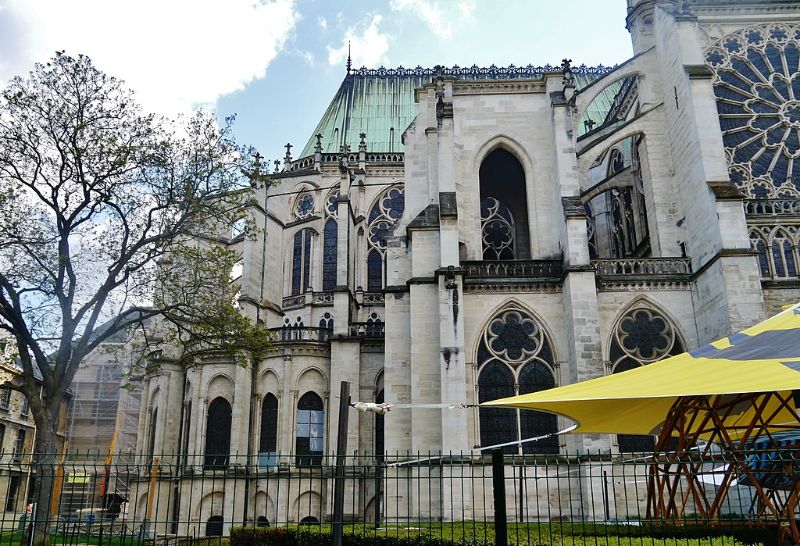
<point>341,453</point>
<point>499,492</point>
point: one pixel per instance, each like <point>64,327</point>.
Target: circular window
<point>757,86</point>
<point>304,205</point>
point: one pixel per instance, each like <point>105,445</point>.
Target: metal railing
<point>464,498</point>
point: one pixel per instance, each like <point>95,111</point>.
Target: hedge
<point>566,535</point>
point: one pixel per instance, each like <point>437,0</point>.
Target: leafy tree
<point>110,218</point>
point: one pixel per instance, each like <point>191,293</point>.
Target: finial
<point>349,60</point>
<point>277,165</point>
<point>288,157</point>
<point>362,144</point>
<point>318,146</point>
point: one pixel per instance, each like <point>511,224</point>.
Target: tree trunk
<point>43,464</point>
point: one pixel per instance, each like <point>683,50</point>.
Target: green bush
<point>287,536</point>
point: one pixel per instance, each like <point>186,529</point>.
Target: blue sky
<point>277,63</point>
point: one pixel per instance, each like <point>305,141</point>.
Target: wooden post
<point>341,454</point>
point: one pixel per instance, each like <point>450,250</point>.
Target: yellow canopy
<point>763,358</point>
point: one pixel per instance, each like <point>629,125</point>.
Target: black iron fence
<point>458,498</point>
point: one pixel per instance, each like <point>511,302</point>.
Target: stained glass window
<point>783,260</point>
<point>218,434</point>
<point>302,249</point>
<point>310,434</point>
<point>304,205</point>
<point>325,326</point>
<point>498,425</point>
<point>268,439</point>
<point>643,335</point>
<point>374,325</point>
<point>331,203</point>
<point>379,429</point>
<point>757,85</point>
<point>535,377</point>
<point>515,351</point>
<point>374,271</point>
<point>329,255</point>
<point>383,215</point>
<point>151,442</point>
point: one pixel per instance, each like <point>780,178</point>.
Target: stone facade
<point>534,228</point>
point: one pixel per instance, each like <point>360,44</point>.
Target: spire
<point>349,61</point>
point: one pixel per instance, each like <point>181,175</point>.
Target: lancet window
<point>503,208</point>
<point>310,433</point>
<point>515,357</point>
<point>302,249</point>
<point>329,241</point>
<point>268,437</point>
<point>643,335</point>
<point>776,249</point>
<point>218,434</point>
<point>385,213</point>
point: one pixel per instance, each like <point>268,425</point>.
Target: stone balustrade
<point>523,270</point>
<point>772,207</point>
<point>642,267</point>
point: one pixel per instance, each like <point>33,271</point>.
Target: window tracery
<point>304,205</point>
<point>757,85</point>
<point>301,261</point>
<point>497,230</point>
<point>329,254</point>
<point>776,249</point>
<point>385,213</point>
<point>515,358</point>
<point>331,203</point>
<point>643,335</point>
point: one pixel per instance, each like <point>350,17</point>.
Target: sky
<point>276,64</point>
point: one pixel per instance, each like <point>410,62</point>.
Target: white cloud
<point>175,54</point>
<point>467,9</point>
<point>430,13</point>
<point>368,47</point>
<point>323,23</point>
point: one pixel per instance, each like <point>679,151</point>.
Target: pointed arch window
<point>643,335</point>
<point>515,357</point>
<point>268,437</point>
<point>329,258</point>
<point>760,247</point>
<point>310,433</point>
<point>503,208</point>
<point>783,259</point>
<point>218,434</point>
<point>383,215</point>
<point>151,442</point>
<point>325,326</point>
<point>302,248</point>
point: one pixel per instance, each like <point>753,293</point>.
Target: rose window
<point>304,205</point>
<point>645,335</point>
<point>513,337</point>
<point>757,85</point>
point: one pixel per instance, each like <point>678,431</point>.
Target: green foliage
<point>478,534</point>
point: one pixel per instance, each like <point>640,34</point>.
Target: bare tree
<point>99,204</point>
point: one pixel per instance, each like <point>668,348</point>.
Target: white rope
<point>517,442</point>
<point>385,407</point>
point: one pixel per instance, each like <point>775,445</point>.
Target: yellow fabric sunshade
<point>763,358</point>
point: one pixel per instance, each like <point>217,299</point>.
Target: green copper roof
<point>381,104</point>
